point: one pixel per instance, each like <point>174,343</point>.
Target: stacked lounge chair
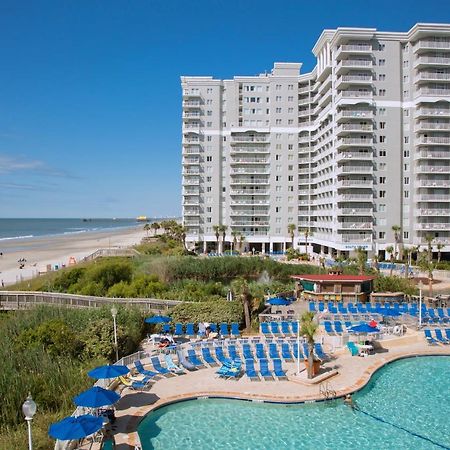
<point>220,355</point>
<point>286,352</point>
<point>247,351</point>
<point>235,330</point>
<point>430,339</point>
<point>264,369</point>
<point>178,329</point>
<point>273,351</point>
<point>190,330</point>
<point>157,365</point>
<point>194,359</point>
<point>224,330</point>
<point>207,357</point>
<point>278,370</point>
<point>140,368</point>
<point>250,370</point>
<point>440,337</point>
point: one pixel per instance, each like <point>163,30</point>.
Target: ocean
<point>32,228</point>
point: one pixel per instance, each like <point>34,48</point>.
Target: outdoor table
<point>365,349</point>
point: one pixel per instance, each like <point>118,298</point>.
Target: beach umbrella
<point>158,319</point>
<point>363,328</point>
<point>96,397</point>
<point>108,371</point>
<point>75,427</point>
<point>278,301</point>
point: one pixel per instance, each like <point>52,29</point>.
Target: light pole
<point>298,347</point>
<point>114,314</point>
<point>420,286</point>
<point>29,410</point>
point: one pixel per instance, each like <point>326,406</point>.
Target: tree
<point>429,240</point>
<point>375,264</point>
<point>361,259</point>
<point>397,229</point>
<point>307,233</point>
<point>427,266</point>
<point>308,330</point>
<point>147,228</point>
<point>241,242</point>
<point>439,247</point>
<point>390,250</point>
<point>291,230</point>
<point>155,227</point>
<point>407,251</point>
<point>235,235</point>
<point>241,290</point>
<point>217,230</point>
<point>223,230</point>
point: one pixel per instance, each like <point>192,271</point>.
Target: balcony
<point>356,183</point>
<point>433,226</point>
<point>355,212</point>
<point>432,92</point>
<point>249,161</point>
<point>355,225</point>
<point>351,95</point>
<point>190,171</point>
<point>354,127</point>
<point>191,128</point>
<point>362,156</point>
<point>350,141</point>
<point>194,192</point>
<point>433,112</point>
<point>191,140</point>
<point>192,94</point>
<point>433,184</point>
<point>434,212</point>
<point>250,150</point>
<point>249,192</point>
<point>433,169</point>
<point>355,238</point>
<point>250,202</point>
<point>432,155</point>
<point>441,140</point>
<point>432,76</point>
<point>192,150</point>
<point>359,114</point>
<point>191,223</point>
<point>191,181</point>
<point>248,223</point>
<point>249,181</point>
<point>353,48</point>
<point>355,197</point>
<point>433,198</point>
<point>250,170</point>
<point>249,139</point>
<point>191,202</point>
<point>349,79</point>
<point>424,125</point>
<point>432,45</point>
<point>354,64</point>
<point>249,213</point>
<point>431,60</point>
<point>304,112</point>
<point>192,104</point>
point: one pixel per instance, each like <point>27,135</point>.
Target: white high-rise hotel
<point>347,151</point>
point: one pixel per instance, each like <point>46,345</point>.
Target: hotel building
<point>346,152</point>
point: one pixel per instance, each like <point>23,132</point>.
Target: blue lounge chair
<point>142,371</point>
<point>338,327</point>
<point>321,306</point>
<point>264,369</point>
<point>171,365</point>
<point>361,308</point>
<point>447,333</point>
<point>274,328</point>
<point>178,329</point>
<point>273,351</point>
<point>312,306</point>
<point>194,359</point>
<point>166,328</point>
<point>318,350</point>
<point>235,329</point>
<point>220,355</point>
<point>348,325</point>
<point>352,309</point>
<point>286,351</point>
<point>342,309</point>
<point>224,330</point>
<point>430,339</point>
<point>294,326</point>
<point>440,337</point>
<point>247,351</point>
<point>285,329</point>
<point>207,357</point>
<point>232,352</point>
<point>265,329</point>
<point>332,308</point>
<point>328,327</point>
<point>157,365</point>
<point>190,330</point>
<point>213,327</point>
<point>305,350</point>
<point>354,351</point>
<point>296,351</point>
<point>442,315</point>
<point>135,385</point>
<point>278,370</point>
<point>260,352</point>
<point>250,370</point>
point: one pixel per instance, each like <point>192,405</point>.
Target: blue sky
<point>90,91</point>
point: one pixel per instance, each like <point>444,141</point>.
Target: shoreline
<point>56,250</point>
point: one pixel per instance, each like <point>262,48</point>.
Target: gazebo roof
<point>335,278</point>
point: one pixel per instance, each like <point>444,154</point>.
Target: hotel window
<point>277,188</point>
<point>278,122</point>
<point>278,168</point>
<point>277,209</point>
<point>290,178</point>
<point>290,167</point>
<point>209,138</point>
<point>406,153</point>
<point>209,158</point>
<point>290,87</point>
<point>406,139</point>
<point>208,219</point>
<point>381,92</point>
<point>209,124</point>
<point>406,167</point>
<point>405,194</point>
<point>290,98</point>
<point>290,110</point>
<point>278,110</point>
<point>382,166</point>
<point>382,194</point>
<point>278,98</point>
<point>382,111</point>
<point>382,125</point>
<point>406,235</point>
<point>381,235</point>
<point>382,139</point>
<point>209,91</point>
<point>278,136</point>
<point>382,47</point>
<point>382,180</point>
<point>209,113</point>
<point>405,180</point>
<point>208,179</point>
<point>290,122</point>
<point>381,207</point>
<point>290,157</point>
<point>208,209</point>
<point>382,77</point>
<point>278,178</point>
<point>278,199</point>
<point>277,230</point>
<point>278,87</point>
<point>382,222</point>
<point>382,152</point>
<point>291,188</point>
<point>209,102</point>
<point>277,157</point>
<point>381,62</point>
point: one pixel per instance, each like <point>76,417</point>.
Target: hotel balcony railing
<point>432,226</point>
<point>192,94</point>
<point>432,155</point>
<point>365,48</point>
<point>434,92</point>
<point>433,169</point>
<point>304,112</point>
<point>191,182</point>
<point>250,139</point>
<point>350,78</point>
<point>427,76</point>
<point>355,212</point>
<point>355,225</point>
<point>189,223</point>
<point>249,192</point>
<point>433,198</point>
<point>355,169</point>
<point>366,156</point>
<point>424,44</point>
<point>194,161</point>
<point>303,101</point>
<point>355,198</point>
<point>188,202</point>
<point>435,212</point>
<point>354,141</point>
<point>190,172</point>
<point>431,60</point>
<point>250,170</point>
<point>247,181</point>
<point>304,89</point>
<point>354,63</point>
<point>433,184</point>
<point>250,150</point>
<point>192,104</point>
<point>192,150</point>
<point>354,94</point>
<point>251,203</point>
<point>261,223</point>
<point>355,127</point>
<point>190,213</point>
<point>434,112</point>
<point>434,140</point>
<point>191,128</point>
<point>432,126</point>
<point>354,238</point>
<point>304,140</point>
<point>191,115</point>
<point>249,161</point>
<point>191,140</point>
<point>355,183</point>
<point>250,213</point>
<point>355,114</point>
<point>194,192</point>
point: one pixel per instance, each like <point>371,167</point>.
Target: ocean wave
<point>16,237</point>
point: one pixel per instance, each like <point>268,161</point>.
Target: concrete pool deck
<point>353,373</point>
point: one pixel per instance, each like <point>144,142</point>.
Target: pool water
<point>406,405</point>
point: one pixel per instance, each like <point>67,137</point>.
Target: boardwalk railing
<point>14,300</point>
<point>112,251</point>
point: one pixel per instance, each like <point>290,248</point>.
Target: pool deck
<point>353,373</point>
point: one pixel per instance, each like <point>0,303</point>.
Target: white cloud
<point>10,164</point>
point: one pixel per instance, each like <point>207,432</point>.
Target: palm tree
<point>416,250</point>
<point>241,241</point>
<point>407,251</point>
<point>155,227</point>
<point>375,265</point>
<point>223,230</point>
<point>241,290</point>
<point>308,330</point>
<point>429,239</point>
<point>216,229</point>
<point>235,234</point>
<point>146,228</point>
<point>427,266</point>
<point>390,250</point>
<point>396,229</point>
<point>307,233</point>
<point>361,259</point>
<point>291,230</point>
<point>439,247</point>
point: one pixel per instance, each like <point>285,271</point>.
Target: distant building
<point>347,151</point>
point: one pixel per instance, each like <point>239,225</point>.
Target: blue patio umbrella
<point>364,328</point>
<point>108,371</point>
<point>75,427</point>
<point>158,319</point>
<point>96,397</point>
<point>278,301</point>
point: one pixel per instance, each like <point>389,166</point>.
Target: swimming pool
<point>406,405</point>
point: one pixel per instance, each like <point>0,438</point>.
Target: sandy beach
<point>56,251</point>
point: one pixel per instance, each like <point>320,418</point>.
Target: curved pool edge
<point>133,439</point>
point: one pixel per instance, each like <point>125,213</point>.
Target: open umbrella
<point>278,301</point>
<point>363,328</point>
<point>96,397</point>
<point>108,371</point>
<point>75,427</point>
<point>158,319</point>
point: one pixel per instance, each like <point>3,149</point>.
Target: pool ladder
<point>326,391</point>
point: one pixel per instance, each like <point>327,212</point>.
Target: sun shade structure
<point>278,301</point>
<point>96,397</point>
<point>364,328</point>
<point>158,319</point>
<point>75,427</point>
<point>108,371</point>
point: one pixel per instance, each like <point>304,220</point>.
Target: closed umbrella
<point>96,397</point>
<point>278,301</point>
<point>363,328</point>
<point>158,319</point>
<point>75,427</point>
<point>108,371</point>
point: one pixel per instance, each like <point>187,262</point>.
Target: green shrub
<point>215,312</point>
<point>394,284</point>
